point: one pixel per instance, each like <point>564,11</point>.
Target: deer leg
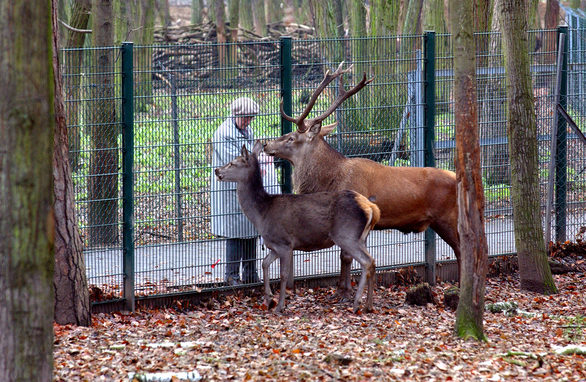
<point>344,284</point>
<point>290,279</point>
<point>449,234</point>
<point>286,263</point>
<point>266,263</point>
<point>367,277</point>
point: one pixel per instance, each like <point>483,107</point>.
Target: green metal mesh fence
<point>182,94</point>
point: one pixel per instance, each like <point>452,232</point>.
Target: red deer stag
<point>410,198</point>
<point>303,222</point>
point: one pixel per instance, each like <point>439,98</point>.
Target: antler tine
<point>284,115</point>
<point>344,95</point>
<point>328,77</point>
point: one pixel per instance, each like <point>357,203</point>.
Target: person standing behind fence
<point>227,218</point>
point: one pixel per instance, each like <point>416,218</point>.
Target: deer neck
<point>318,169</point>
<point>253,198</point>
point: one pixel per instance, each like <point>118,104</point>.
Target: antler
<point>343,96</point>
<point>329,77</point>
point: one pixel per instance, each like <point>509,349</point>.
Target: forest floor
<point>235,338</point>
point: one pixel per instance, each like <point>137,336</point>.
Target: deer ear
<point>325,130</point>
<point>257,148</point>
<point>314,130</point>
<point>244,152</point>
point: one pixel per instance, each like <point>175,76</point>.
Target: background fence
<point>141,121</point>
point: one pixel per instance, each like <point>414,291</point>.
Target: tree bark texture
<point>258,17</point>
<point>103,179</point>
<point>80,15</point>
<point>197,9</point>
<point>72,305</point>
<point>552,14</point>
<point>246,20</point>
<point>474,258</point>
<point>495,157</point>
<point>522,133</point>
<point>273,12</point>
<point>26,191</point>
<point>325,23</point>
<point>221,31</point>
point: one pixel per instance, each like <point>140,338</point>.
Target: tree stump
<point>451,298</point>
<point>420,295</point>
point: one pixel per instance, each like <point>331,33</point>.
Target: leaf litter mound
<point>234,337</point>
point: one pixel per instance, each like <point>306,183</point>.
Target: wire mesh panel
<point>92,101</point>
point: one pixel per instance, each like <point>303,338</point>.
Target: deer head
<point>296,143</point>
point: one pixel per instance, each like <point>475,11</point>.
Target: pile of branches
<point>191,54</point>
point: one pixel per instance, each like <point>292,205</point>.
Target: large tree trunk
<point>522,132</point>
<point>80,15</point>
<point>26,192</point>
<point>474,258</point>
<point>103,172</point>
<point>72,304</point>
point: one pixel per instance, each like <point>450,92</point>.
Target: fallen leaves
<point>318,339</point>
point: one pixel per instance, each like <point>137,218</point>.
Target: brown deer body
<point>410,199</point>
<point>303,222</point>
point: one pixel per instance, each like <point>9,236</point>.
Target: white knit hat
<point>244,106</point>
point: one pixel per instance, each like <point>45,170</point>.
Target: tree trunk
<point>146,24</point>
<point>103,179</point>
<point>258,17</point>
<point>324,14</point>
<point>72,305</point>
<point>412,17</point>
<point>164,13</point>
<point>433,16</point>
<point>495,156</point>
<point>197,8</point>
<point>552,14</point>
<point>26,192</point>
<point>221,31</point>
<point>80,15</point>
<point>384,21</point>
<point>474,258</point>
<point>246,19</point>
<point>273,12</point>
<point>522,132</point>
<point>357,17</point>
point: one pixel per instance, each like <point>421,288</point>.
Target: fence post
<point>287,99</point>
<point>562,146</point>
<point>177,157</point>
<point>128,174</point>
<point>429,137</point>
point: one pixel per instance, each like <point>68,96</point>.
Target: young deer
<point>303,222</point>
